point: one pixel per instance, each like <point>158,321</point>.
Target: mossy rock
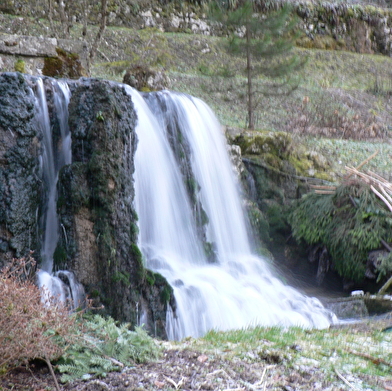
<point>145,79</point>
<point>65,65</point>
<point>263,142</point>
<point>278,151</point>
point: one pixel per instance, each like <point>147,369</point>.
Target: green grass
<point>359,355</point>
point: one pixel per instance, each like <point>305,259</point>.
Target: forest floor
<point>356,356</point>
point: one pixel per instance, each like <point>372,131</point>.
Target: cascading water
<point>61,284</point>
<point>239,289</point>
<point>232,289</point>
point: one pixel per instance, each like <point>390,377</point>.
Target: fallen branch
<point>381,197</point>
<point>364,162</point>
<point>386,245</point>
<point>374,360</point>
<point>385,287</point>
<point>324,191</point>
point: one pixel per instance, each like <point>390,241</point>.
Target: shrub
<point>28,329</point>
<point>349,223</point>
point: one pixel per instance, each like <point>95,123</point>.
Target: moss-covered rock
<point>65,65</point>
<point>278,151</point>
<point>146,79</point>
<point>278,172</point>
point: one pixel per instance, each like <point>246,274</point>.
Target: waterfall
<point>192,227</point>
<point>238,289</point>
<point>60,284</point>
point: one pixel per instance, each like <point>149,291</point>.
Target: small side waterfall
<point>61,284</point>
<point>238,289</point>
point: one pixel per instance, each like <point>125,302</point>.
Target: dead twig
<point>176,385</point>
<point>341,377</point>
<point>49,364</point>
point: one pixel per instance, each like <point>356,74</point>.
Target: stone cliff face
<point>20,184</point>
<point>97,222</point>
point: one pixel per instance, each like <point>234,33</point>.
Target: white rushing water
<point>60,285</point>
<point>240,289</point>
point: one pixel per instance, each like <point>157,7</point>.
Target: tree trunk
<point>63,19</point>
<point>98,38</point>
<point>85,17</point>
<point>251,124</point>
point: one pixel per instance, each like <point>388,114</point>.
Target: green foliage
<point>105,346</point>
<point>266,41</point>
<point>349,223</point>
<point>137,257</point>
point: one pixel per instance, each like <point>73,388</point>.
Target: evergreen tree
<point>267,42</point>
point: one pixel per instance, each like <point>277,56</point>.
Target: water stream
<point>239,289</point>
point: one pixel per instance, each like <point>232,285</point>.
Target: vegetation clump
<point>349,223</point>
<point>28,328</point>
<point>34,325</point>
<point>104,346</point>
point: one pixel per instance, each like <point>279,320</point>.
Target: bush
<point>349,223</point>
<point>28,329</point>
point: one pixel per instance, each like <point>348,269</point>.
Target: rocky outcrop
<point>97,221</point>
<point>95,197</point>
<point>20,184</point>
<point>61,57</point>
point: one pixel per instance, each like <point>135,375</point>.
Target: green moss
<point>301,164</point>
<point>166,294</point>
<point>259,223</point>
<point>150,277</point>
<point>121,277</point>
<point>140,272</point>
<point>20,66</point>
<point>325,176</point>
